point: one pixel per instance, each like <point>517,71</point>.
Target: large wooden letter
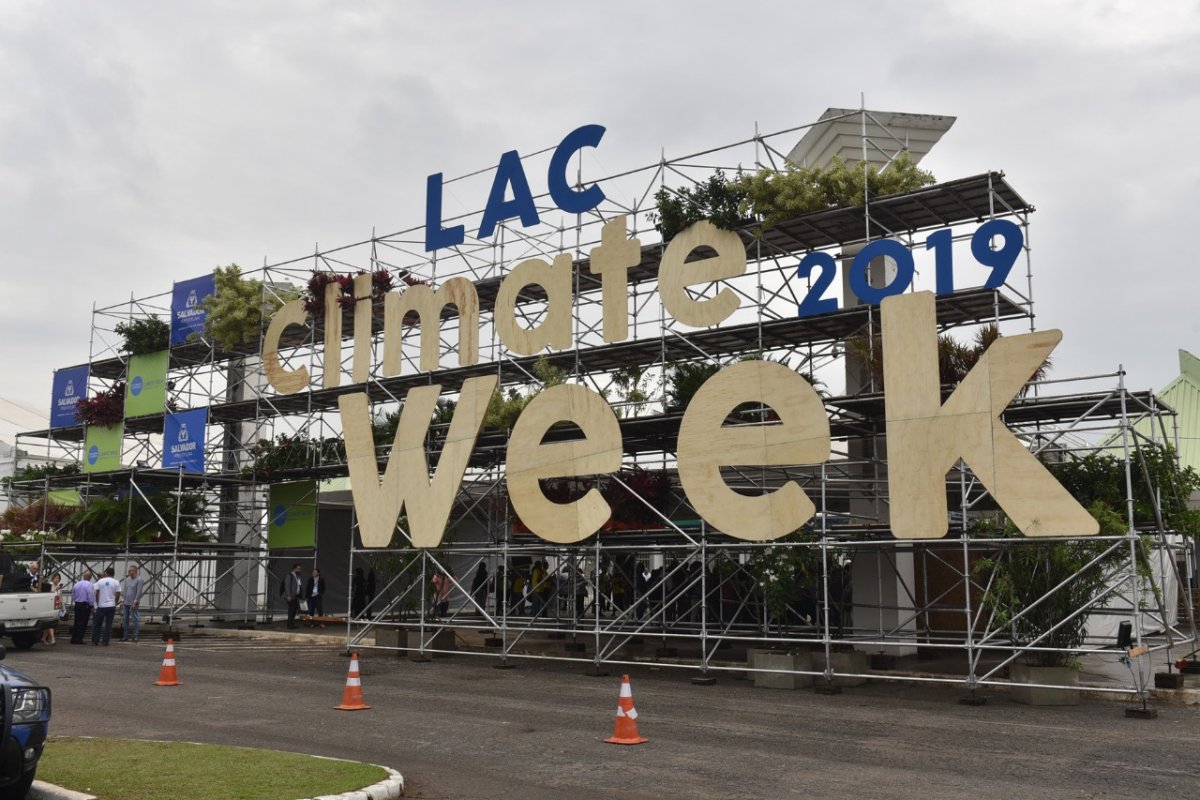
<point>612,261</point>
<point>428,305</point>
<point>555,330</point>
<point>802,437</point>
<point>360,367</point>
<point>925,437</point>
<point>285,381</point>
<point>529,460</point>
<point>406,481</point>
<point>331,359</point>
<point>674,276</point>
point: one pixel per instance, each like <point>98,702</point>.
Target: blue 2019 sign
<point>999,260</point>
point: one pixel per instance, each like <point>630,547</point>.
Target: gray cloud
<point>142,143</point>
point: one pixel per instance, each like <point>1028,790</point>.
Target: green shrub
<point>718,200</point>
<point>142,336</point>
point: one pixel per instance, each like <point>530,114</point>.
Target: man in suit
<point>314,591</point>
<point>292,590</point>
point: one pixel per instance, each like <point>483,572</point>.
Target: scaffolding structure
<point>668,588</point>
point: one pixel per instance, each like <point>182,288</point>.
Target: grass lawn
<point>127,769</point>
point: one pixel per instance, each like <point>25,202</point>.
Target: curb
<point>389,789</point>
<point>48,791</point>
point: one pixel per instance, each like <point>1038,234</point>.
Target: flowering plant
<point>106,407</point>
<point>382,282</point>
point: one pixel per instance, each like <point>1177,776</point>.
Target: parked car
<point>25,712</point>
<point>24,613</point>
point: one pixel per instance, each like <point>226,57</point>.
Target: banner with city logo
<point>293,511</point>
<point>187,311</point>
<point>146,386</point>
<point>102,447</point>
<point>183,440</point>
<point>70,386</point>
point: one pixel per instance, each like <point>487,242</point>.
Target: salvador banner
<point>102,447</point>
<point>293,515</point>
<point>70,386</point>
<point>187,314</point>
<point>183,440</point>
<point>146,385</point>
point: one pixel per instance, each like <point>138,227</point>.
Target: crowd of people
<point>305,598</point>
<point>539,590</point>
<point>94,600</point>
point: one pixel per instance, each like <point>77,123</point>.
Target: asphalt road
<point>457,728</point>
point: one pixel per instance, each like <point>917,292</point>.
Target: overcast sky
<point>147,142</point>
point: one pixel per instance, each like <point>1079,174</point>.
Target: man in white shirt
<point>108,592</point>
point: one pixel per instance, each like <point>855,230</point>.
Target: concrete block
<point>1039,696</point>
<point>780,660</point>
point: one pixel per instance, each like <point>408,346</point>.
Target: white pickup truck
<point>24,614</point>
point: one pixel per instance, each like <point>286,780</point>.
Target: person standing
<point>500,586</point>
<point>314,590</point>
<point>441,595</point>
<point>83,595</point>
<point>479,587</point>
<point>358,593</point>
<point>292,590</point>
<point>54,587</point>
<point>537,585</point>
<point>131,598</point>
<point>370,596</point>
<point>35,577</point>
<point>644,583</point>
<point>108,592</point>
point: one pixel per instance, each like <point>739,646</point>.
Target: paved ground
<point>457,728</point>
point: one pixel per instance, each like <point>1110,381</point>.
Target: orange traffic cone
<point>625,728</point>
<point>352,699</point>
<point>167,676</point>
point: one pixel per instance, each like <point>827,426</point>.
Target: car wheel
<point>23,641</point>
<point>18,790</point>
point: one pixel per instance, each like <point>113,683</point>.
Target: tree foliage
<point>37,472</point>
<point>955,358</point>
<point>35,517</point>
<point>636,386</point>
<point>239,308</point>
<point>684,379</point>
<point>1033,589</point>
<point>1157,478</point>
<point>142,336</point>
<point>505,406</point>
<point>718,200</point>
<point>774,196</point>
<point>291,452</point>
<point>113,519</point>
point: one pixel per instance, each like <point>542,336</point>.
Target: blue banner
<point>70,386</point>
<point>183,440</point>
<point>187,313</point>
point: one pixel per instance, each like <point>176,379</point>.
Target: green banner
<point>293,515</point>
<point>146,384</point>
<point>102,447</point>
<point>63,497</point>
